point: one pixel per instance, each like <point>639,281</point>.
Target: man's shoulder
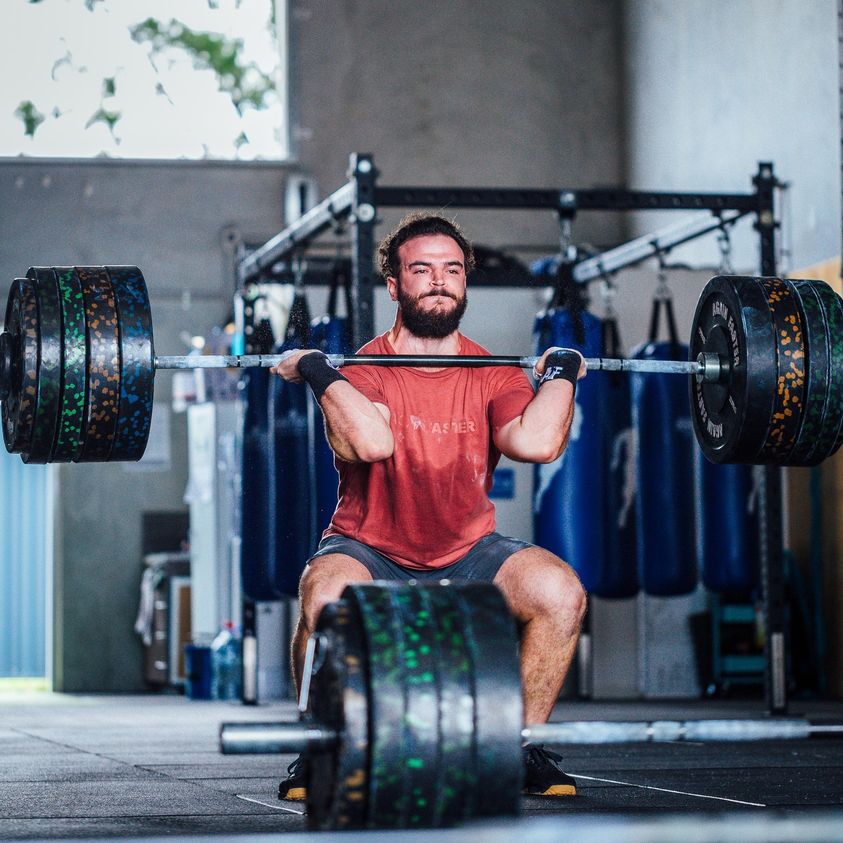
<point>468,346</point>
<point>377,345</point>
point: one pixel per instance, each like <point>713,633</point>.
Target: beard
<point>431,324</point>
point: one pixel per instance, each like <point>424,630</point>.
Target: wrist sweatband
<point>318,373</point>
<point>564,364</point>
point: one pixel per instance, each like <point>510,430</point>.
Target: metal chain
<point>567,249</point>
<point>724,243</point>
<point>608,294</point>
<point>663,291</point>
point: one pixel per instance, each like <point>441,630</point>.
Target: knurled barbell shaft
<point>678,367</point>
<point>260,738</point>
<point>607,731</point>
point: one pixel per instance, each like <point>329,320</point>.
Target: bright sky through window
<point>81,85</point>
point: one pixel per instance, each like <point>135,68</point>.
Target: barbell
<point>77,367</point>
<point>412,711</point>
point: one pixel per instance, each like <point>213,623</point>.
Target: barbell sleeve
<point>708,368</point>
<point>260,738</point>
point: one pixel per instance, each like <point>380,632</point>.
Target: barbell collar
<point>709,368</point>
<point>713,368</point>
<point>260,738</point>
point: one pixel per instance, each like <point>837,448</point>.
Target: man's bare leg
<point>546,596</point>
<point>322,582</point>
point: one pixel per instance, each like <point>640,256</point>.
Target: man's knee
<point>536,582</point>
<point>571,592</point>
<point>560,591</point>
<point>323,582</point>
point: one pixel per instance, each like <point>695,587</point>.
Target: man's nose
<point>438,277</point>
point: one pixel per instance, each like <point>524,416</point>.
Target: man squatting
<point>415,451</point>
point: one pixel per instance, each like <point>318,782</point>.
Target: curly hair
<point>419,224</point>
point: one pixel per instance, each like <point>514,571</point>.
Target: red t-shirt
<point>427,504</point>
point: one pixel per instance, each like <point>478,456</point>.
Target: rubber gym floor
<point>148,766</point>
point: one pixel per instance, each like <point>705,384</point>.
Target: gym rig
<point>358,201</point>
<point>77,368</point>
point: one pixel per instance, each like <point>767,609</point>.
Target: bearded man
<point>416,449</point>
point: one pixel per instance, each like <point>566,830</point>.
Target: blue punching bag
<point>619,576</point>
<point>292,493</point>
<point>257,553</point>
<point>569,492</point>
<point>331,334</point>
<point>667,558</point>
<point>727,524</point>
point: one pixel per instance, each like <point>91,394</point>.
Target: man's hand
<point>288,368</point>
<point>541,365</point>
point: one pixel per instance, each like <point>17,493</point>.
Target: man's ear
<point>392,287</point>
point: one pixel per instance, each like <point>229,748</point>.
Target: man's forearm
<point>545,424</point>
<point>541,432</point>
<point>357,430</point>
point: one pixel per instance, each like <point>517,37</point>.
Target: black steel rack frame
<point>358,200</point>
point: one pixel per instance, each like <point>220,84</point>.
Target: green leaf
<point>109,86</point>
<point>245,83</point>
<point>32,118</point>
<point>102,115</point>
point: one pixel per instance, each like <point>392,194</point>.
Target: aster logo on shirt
<point>444,426</point>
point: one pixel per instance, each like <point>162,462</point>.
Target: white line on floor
<point>269,804</point>
<point>668,790</point>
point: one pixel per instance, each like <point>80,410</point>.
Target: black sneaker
<point>293,787</point>
<point>542,776</point>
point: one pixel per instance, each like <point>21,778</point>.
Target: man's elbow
<point>374,454</point>
<point>375,451</point>
<point>543,452</point>
<point>547,455</point>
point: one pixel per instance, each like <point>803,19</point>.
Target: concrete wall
<point>659,95</point>
<point>171,219</point>
<point>456,92</point>
<point>714,86</point>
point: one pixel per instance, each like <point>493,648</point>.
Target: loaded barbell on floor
<point>413,713</point>
<point>77,367</point>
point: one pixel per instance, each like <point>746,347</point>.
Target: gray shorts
<point>482,562</point>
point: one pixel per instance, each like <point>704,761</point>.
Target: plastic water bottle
<point>226,664</point>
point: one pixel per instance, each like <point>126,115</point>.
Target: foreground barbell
<point>413,713</point>
<point>77,367</point>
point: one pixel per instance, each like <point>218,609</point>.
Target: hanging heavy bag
<point>569,493</point>
<point>729,554</point>
<point>257,550</point>
<point>619,575</point>
<point>727,521</point>
<point>293,492</point>
<point>330,334</point>
<point>667,559</point>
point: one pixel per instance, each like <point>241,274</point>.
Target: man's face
<point>430,288</point>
